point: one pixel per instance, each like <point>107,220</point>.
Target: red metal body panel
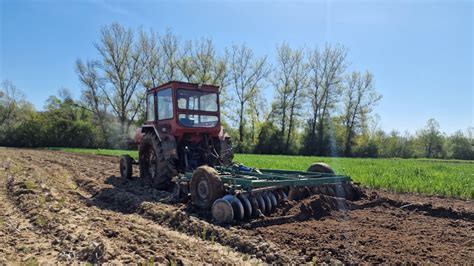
<point>173,126</point>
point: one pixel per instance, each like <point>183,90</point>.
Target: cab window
<point>192,120</point>
<point>150,103</point>
<point>197,100</point>
<point>165,104</point>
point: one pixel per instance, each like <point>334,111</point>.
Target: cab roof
<point>186,85</point>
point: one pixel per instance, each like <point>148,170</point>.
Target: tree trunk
<point>290,126</point>
<point>290,123</point>
<point>348,146</point>
<point>320,135</point>
<point>103,128</point>
<point>241,122</point>
<point>429,150</point>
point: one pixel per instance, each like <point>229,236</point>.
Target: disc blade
<point>255,208</point>
<point>268,203</point>
<point>236,206</point>
<point>273,200</point>
<point>247,206</point>
<point>222,211</point>
<point>261,203</point>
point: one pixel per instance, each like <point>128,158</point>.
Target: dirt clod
<point>319,206</point>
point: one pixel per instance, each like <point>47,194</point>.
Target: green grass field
<point>451,178</point>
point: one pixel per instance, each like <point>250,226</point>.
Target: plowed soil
<point>64,207</point>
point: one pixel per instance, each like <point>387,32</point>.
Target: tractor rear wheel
<point>126,166</point>
<point>153,166</point>
<point>205,186</point>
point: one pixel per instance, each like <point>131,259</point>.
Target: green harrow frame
<point>249,193</point>
<point>238,179</point>
<point>236,192</point>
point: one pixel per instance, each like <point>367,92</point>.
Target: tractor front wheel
<point>205,186</point>
<point>126,166</point>
<point>153,165</point>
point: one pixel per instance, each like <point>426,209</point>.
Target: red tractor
<point>183,142</point>
<point>182,132</point>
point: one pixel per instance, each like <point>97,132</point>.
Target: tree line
<point>319,106</point>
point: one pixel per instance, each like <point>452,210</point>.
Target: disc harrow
<point>240,193</point>
<point>250,193</point>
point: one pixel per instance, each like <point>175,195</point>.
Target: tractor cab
<point>182,132</point>
<point>179,108</point>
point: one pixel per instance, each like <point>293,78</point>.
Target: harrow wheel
<point>205,186</point>
<point>348,191</point>
<point>126,166</point>
<point>153,165</point>
<point>321,168</point>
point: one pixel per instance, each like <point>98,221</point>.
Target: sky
<point>420,52</point>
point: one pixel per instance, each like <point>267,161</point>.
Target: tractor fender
<point>223,134</point>
<point>148,129</point>
<point>169,146</point>
<point>168,141</point>
<point>139,136</point>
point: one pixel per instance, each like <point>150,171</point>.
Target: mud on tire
<point>126,166</point>
<point>153,166</point>
<point>206,186</point>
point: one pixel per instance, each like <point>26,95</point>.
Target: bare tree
<point>299,82</point>
<point>282,82</point>
<point>123,64</point>
<point>200,64</point>
<point>221,73</point>
<point>359,99</point>
<point>290,80</point>
<point>327,68</point>
<point>10,100</point>
<point>163,56</point>
<point>257,114</point>
<point>93,94</point>
<point>203,57</point>
<point>186,63</point>
<point>246,74</point>
<point>169,46</point>
<point>155,71</point>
